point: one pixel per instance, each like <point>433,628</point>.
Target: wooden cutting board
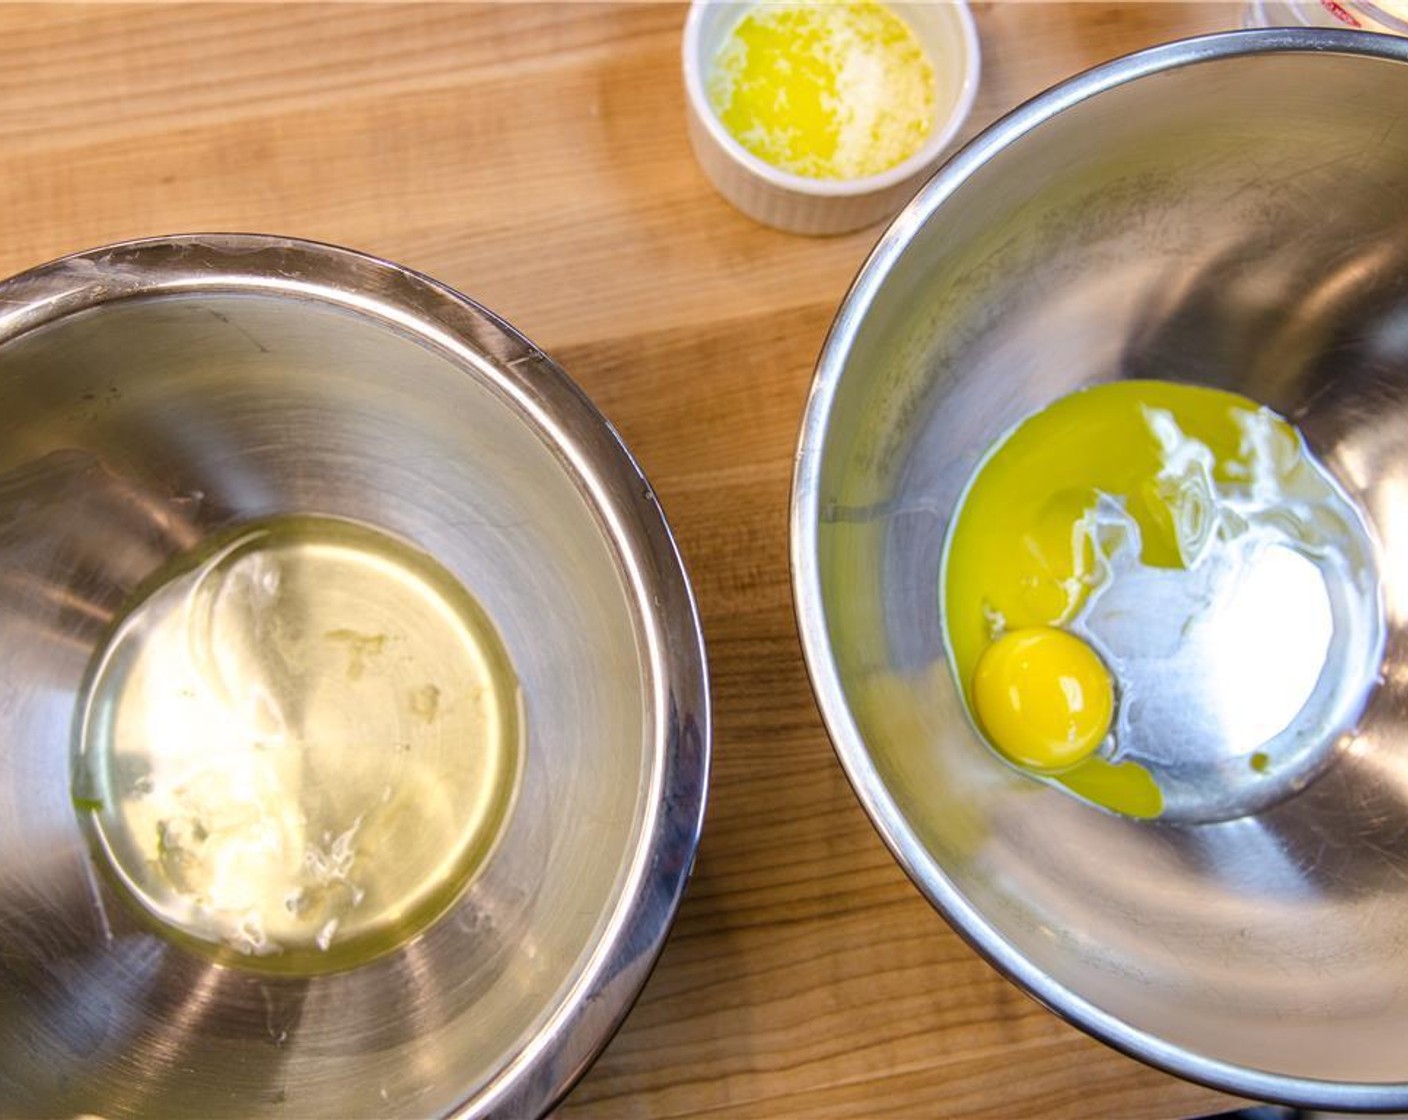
<point>534,156</point>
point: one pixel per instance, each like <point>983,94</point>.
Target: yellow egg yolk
<point>1026,551</point>
<point>831,90</point>
<point>1043,697</point>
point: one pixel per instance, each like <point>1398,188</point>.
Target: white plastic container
<point>800,204</point>
<point>1388,17</point>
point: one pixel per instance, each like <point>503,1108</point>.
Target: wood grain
<point>534,156</point>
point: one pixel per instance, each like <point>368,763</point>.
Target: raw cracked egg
<point>1157,598</point>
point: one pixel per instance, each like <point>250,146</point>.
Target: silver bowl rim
<point>623,502</point>
<point>882,809</point>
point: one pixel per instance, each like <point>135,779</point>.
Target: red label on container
<point>1340,13</point>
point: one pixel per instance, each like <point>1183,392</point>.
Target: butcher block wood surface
<point>534,156</point>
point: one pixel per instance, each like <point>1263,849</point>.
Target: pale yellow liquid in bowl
<point>298,746</point>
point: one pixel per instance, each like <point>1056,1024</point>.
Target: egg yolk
<point>1129,468</point>
<point>1044,697</point>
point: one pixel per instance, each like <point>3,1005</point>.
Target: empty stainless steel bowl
<point>158,392</point>
<point>1229,211</point>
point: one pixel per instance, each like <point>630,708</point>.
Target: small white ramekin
<point>821,206</point>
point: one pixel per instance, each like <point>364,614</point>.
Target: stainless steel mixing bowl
<point>155,392</point>
<point>1230,211</point>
